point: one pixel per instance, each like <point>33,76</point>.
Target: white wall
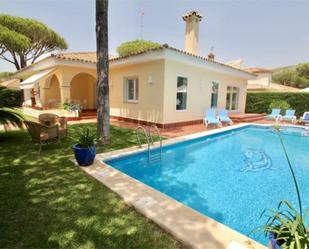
<point>199,91</point>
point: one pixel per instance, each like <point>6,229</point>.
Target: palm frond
<point>11,116</point>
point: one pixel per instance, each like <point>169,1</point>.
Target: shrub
<point>295,76</point>
<point>281,104</point>
<point>259,102</point>
<point>10,98</point>
<point>5,75</point>
<point>137,46</point>
<point>303,70</point>
<point>285,76</point>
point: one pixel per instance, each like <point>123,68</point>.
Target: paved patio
<point>175,131</point>
<point>187,129</point>
<point>166,132</point>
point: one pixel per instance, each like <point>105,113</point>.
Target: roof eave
<point>212,65</point>
<point>50,62</point>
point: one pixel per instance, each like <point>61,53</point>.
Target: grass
<point>47,202</point>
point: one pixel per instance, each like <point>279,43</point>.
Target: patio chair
<point>305,118</point>
<point>211,118</point>
<point>224,117</point>
<point>289,116</point>
<point>49,119</point>
<point>41,134</point>
<point>275,114</point>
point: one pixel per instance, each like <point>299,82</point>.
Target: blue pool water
<point>231,176</point>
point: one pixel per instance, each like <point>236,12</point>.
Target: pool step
<point>155,158</point>
<point>149,138</point>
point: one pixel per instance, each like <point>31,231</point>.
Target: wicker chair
<point>49,119</point>
<point>42,134</point>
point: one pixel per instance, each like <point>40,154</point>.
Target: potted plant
<point>84,149</point>
<point>70,107</point>
<point>285,227</point>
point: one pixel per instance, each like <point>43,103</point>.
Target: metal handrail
<point>147,138</point>
<point>159,135</point>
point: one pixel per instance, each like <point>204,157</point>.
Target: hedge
<point>258,102</point>
<point>11,98</point>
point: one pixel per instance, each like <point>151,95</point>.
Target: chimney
<point>211,56</point>
<point>192,20</point>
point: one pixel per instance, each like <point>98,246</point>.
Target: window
<point>232,95</point>
<point>181,96</point>
<point>131,89</point>
<point>214,94</point>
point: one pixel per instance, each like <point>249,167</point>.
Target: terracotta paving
<point>173,131</point>
<point>166,132</point>
<point>184,130</point>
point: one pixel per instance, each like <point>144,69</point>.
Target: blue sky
<point>264,33</point>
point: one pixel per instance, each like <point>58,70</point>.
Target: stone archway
<point>52,96</point>
<point>83,91</point>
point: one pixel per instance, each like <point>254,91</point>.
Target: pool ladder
<point>149,138</point>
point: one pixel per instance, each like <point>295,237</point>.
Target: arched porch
<point>51,96</point>
<point>83,91</point>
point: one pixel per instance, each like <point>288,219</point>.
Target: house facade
<point>263,82</point>
<point>165,86</point>
<point>263,76</point>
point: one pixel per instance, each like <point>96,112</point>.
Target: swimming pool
<point>230,176</point>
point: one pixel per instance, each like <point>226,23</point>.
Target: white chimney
<point>192,20</point>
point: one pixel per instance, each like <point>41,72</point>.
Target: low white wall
<point>60,112</point>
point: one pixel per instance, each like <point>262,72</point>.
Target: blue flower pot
<point>84,156</point>
<point>273,241</point>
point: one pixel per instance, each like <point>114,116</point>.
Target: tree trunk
<point>15,61</point>
<point>103,124</point>
<point>23,62</point>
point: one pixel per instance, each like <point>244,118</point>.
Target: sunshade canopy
<point>29,82</point>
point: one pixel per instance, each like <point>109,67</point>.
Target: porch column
<point>44,86</point>
<point>27,97</point>
<point>37,97</point>
<point>65,93</point>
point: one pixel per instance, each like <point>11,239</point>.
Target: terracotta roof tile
<point>90,57</point>
<point>79,56</point>
<point>256,70</point>
<point>273,87</point>
<point>11,83</point>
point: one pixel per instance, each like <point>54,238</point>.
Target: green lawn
<point>47,202</point>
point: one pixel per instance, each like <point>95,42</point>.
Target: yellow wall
<point>199,91</point>
<point>67,84</point>
<point>51,93</point>
<point>66,74</point>
<point>157,101</point>
<point>83,91</point>
<point>150,104</point>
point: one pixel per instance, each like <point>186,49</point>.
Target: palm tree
<point>8,114</point>
<point>102,72</point>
